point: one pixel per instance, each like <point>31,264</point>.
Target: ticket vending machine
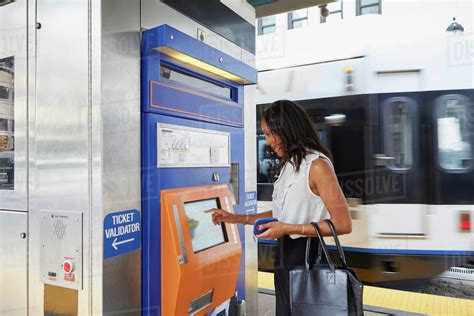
<point>192,160</point>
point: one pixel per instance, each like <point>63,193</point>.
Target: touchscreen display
<point>204,233</point>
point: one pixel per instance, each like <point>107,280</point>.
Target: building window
<point>453,125</point>
<point>369,7</point>
<point>297,19</point>
<point>399,122</point>
<point>335,12</point>
<point>266,25</point>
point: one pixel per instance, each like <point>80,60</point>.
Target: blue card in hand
<point>261,221</point>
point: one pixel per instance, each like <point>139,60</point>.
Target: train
<point>400,126</point>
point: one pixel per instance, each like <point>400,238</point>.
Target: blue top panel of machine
<point>168,40</point>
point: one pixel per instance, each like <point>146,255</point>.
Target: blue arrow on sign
<point>122,233</point>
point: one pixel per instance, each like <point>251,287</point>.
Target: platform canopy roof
<point>271,7</point>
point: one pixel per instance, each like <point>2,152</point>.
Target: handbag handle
<point>308,248</point>
<point>323,246</point>
<point>338,244</point>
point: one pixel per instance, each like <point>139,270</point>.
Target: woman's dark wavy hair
<point>291,123</point>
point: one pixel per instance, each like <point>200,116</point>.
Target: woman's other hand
<point>274,230</point>
<point>221,216</point>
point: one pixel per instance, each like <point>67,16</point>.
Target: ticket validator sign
<point>122,233</point>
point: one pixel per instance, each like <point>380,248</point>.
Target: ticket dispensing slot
<point>202,260</point>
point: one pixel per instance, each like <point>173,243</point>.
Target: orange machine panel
<point>200,260</point>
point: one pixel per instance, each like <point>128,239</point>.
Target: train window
<point>398,130</point>
<point>454,132</point>
<point>7,123</point>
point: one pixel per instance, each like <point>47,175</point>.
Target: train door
<point>13,209</point>
<point>396,186</point>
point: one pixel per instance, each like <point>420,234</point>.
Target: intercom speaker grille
<point>60,229</point>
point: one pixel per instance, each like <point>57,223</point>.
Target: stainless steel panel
<point>96,231</point>
<point>13,263</point>
<point>62,127</point>
<point>120,105</point>
<point>61,244</point>
<point>35,288</point>
<point>62,106</point>
<point>251,259</point>
<point>13,42</point>
<point>118,130</point>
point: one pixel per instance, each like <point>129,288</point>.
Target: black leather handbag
<point>322,288</point>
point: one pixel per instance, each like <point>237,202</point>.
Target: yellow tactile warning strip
<point>265,281</point>
<point>401,300</point>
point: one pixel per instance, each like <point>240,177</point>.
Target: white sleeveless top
<point>293,201</point>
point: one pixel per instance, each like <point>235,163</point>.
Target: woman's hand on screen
<point>221,216</point>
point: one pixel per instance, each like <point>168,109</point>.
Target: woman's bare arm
<point>221,216</point>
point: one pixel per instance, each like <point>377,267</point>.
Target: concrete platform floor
<point>266,304</point>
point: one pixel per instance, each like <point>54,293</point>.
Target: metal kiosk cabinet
<point>192,135</point>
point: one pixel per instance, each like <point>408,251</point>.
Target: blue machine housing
<point>169,102</point>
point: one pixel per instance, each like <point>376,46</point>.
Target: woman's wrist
<point>239,218</point>
<point>235,219</point>
<point>295,229</point>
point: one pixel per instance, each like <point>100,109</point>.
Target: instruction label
<point>122,233</point>
<point>182,146</point>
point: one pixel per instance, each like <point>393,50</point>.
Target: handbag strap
<point>308,248</point>
<point>338,244</point>
<point>306,256</point>
<point>323,246</point>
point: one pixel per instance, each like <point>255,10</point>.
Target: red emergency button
<point>68,266</point>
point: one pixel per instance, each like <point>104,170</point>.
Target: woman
<point>306,191</point>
